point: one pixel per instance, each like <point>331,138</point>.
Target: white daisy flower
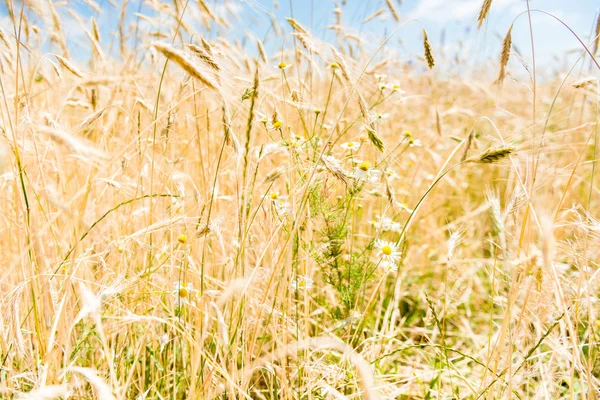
<point>302,282</point>
<point>297,141</point>
<point>364,171</point>
<point>391,174</point>
<point>350,146</point>
<point>382,116</point>
<point>386,224</point>
<point>276,197</point>
<point>388,251</point>
<point>388,266</point>
<point>414,143</point>
<point>183,292</point>
<point>283,209</point>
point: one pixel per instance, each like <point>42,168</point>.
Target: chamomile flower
<point>414,142</point>
<point>363,170</point>
<point>395,87</point>
<point>354,146</point>
<point>388,251</point>
<point>388,266</point>
<point>277,124</point>
<point>380,116</point>
<point>283,208</point>
<point>297,141</point>
<point>390,174</point>
<point>276,197</point>
<point>283,65</point>
<point>183,292</point>
<point>302,282</point>
<point>386,224</point>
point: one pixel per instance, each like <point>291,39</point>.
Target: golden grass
<point>207,221</point>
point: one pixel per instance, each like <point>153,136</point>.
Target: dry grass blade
<point>504,57</point>
<point>483,12</point>
<point>428,50</point>
<point>180,59</point>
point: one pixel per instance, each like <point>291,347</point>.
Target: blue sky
<point>454,20</point>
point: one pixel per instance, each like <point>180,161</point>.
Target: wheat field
<point>186,215</point>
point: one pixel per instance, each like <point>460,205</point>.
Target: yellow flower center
<point>364,166</point>
<point>274,195</point>
<point>301,283</point>
<point>277,124</point>
<point>335,65</point>
<point>387,250</point>
<point>183,292</point>
<point>350,145</point>
<point>282,65</point>
<point>407,133</point>
<point>182,239</point>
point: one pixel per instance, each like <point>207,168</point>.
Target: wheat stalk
<point>393,10</point>
<point>68,66</point>
<point>180,59</point>
<point>373,16</point>
<point>492,155</point>
<point>584,82</point>
<point>505,55</point>
<point>261,51</point>
<point>597,38</point>
<point>483,12</point>
<point>341,64</point>
<point>428,50</point>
